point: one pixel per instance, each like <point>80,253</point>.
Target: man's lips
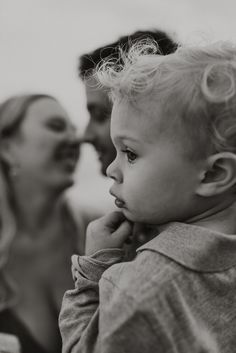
<point>101,154</point>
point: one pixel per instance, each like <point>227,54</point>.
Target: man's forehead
<point>92,86</point>
<point>97,99</point>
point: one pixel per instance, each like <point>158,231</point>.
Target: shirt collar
<point>194,247</point>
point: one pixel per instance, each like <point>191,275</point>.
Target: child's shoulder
<point>141,278</point>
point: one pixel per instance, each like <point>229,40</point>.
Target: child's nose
<point>113,171</point>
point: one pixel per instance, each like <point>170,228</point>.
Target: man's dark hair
<point>88,62</point>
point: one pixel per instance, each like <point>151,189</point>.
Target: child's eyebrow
<point>121,138</point>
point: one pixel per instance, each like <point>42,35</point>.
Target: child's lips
<point>119,203</point>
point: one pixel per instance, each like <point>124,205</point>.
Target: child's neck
<point>221,218</point>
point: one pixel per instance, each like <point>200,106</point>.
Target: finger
<point>74,267</point>
<point>74,260</point>
<point>114,219</point>
<point>130,239</point>
<point>123,231</point>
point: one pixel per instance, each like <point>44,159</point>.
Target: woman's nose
<point>72,133</point>
<point>73,138</point>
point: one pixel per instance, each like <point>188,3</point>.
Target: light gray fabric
<point>177,296</point>
<point>9,343</point>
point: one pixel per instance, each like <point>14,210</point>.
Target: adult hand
<point>109,231</point>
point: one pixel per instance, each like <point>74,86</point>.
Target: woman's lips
<point>68,154</point>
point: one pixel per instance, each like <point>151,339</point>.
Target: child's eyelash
<point>131,156</point>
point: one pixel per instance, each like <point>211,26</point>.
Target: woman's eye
<point>57,125</point>
<point>131,156</point>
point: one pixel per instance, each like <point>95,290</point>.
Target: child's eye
<point>131,156</point>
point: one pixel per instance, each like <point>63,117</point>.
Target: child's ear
<point>219,175</point>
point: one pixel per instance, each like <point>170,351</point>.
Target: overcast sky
<point>40,41</point>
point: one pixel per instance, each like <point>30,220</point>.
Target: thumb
<point>123,231</point>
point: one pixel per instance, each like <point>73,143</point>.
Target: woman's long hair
<point>12,113</point>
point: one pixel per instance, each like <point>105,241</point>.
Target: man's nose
<point>89,134</point>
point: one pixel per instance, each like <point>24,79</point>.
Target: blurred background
<point>41,40</point>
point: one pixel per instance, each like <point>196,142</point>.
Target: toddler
<point>173,125</point>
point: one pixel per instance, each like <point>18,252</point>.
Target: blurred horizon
<point>41,41</point>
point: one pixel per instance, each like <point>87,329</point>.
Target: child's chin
<point>137,218</point>
<point>130,216</point>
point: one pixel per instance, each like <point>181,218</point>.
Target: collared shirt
<point>177,296</point>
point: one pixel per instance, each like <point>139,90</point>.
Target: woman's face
<point>46,148</point>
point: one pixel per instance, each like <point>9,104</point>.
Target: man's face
<point>98,128</point>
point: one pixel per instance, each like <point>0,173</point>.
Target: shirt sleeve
<point>104,318</point>
<point>78,319</point>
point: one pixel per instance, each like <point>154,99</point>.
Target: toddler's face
<point>154,182</point>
